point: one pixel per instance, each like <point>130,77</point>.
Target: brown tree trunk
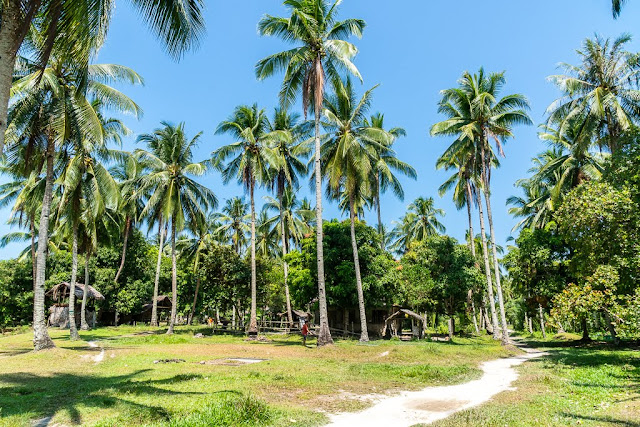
<point>364,333</point>
<point>127,228</point>
<point>452,327</point>
<point>530,325</point>
<point>285,266</point>
<point>253,319</point>
<point>487,270</point>
<point>612,328</point>
<point>174,278</point>
<point>195,300</point>
<point>73,329</point>
<point>32,229</point>
<point>324,334</point>
<point>41,339</point>
<point>9,43</point>
<point>542,328</point>
<point>83,310</point>
<point>154,309</point>
<point>585,330</point>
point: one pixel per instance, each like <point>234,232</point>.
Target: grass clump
<point>227,409</point>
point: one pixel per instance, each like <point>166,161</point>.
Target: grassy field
<point>294,385</point>
<point>588,385</point>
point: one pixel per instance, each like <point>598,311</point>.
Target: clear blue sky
<point>412,48</point>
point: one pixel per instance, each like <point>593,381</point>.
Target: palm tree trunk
<point>379,209</point>
<point>174,278</point>
<point>195,299</point>
<point>127,229</point>
<point>544,333</point>
<point>32,228</point>
<point>154,309</point>
<point>253,321</point>
<point>487,270</point>
<point>9,43</point>
<point>83,311</point>
<point>324,334</point>
<point>41,339</point>
<point>472,247</point>
<point>285,266</point>
<point>73,329</point>
<point>364,333</point>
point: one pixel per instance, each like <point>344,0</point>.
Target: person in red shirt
<point>305,332</point>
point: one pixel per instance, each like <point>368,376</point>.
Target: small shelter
<point>59,311</point>
<point>163,303</point>
<point>394,323</point>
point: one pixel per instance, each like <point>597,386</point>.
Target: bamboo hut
<point>394,322</point>
<point>59,311</point>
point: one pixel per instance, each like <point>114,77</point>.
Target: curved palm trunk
<point>195,299</point>
<point>174,278</point>
<point>32,228</point>
<point>127,229</point>
<point>9,43</point>
<point>73,329</point>
<point>472,247</point>
<point>154,309</point>
<point>496,266</point>
<point>285,266</point>
<point>83,311</point>
<point>41,339</point>
<point>324,334</point>
<point>364,333</point>
<point>487,270</point>
<point>253,320</point>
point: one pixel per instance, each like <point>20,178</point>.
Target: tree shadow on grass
<point>45,396</point>
<point>602,419</point>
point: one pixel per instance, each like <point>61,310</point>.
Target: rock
<point>198,335</point>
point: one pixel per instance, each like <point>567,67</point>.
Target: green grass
<point>590,385</point>
<point>291,387</point>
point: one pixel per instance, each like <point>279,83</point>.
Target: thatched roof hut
<point>405,313</point>
<point>61,291</point>
<point>163,303</point>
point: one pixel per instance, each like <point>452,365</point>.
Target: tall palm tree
<point>51,107</point>
<point>349,156</point>
<point>174,195</point>
<point>386,164</point>
<point>233,222</point>
<point>291,218</point>
<point>251,163</point>
<point>321,52</point>
<point>288,136</point>
<point>267,235</point>
<point>603,89</point>
<point>476,115</point>
<point>78,27</point>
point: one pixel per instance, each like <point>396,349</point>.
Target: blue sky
<point>412,48</point>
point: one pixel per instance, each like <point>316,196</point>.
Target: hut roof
<point>164,303</point>
<point>62,290</point>
<point>407,312</point>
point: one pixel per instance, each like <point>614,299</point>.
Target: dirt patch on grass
<point>437,405</point>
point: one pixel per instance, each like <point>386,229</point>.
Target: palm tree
<point>267,235</point>
<point>51,107</point>
<point>321,52</point>
<point>387,163</point>
<point>233,222</point>
<point>78,27</point>
<point>616,7</point>
<point>252,165</point>
<point>425,219</point>
<point>349,156</point>
<point>602,90</point>
<point>291,218</point>
<point>476,116</point>
<point>174,195</point>
<point>288,142</point>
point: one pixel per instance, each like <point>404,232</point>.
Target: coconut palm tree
<point>174,195</point>
<point>267,235</point>
<point>288,141</point>
<point>293,215</point>
<point>233,222</point>
<point>349,156</point>
<point>603,90</point>
<point>386,164</point>
<point>52,107</point>
<point>616,7</point>
<point>477,115</point>
<point>251,162</point>
<point>78,27</point>
<point>321,53</point>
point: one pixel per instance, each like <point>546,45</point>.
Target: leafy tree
<point>419,223</point>
<point>322,52</point>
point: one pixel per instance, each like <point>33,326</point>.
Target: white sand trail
<point>435,403</point>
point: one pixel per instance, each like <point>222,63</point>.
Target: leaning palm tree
<point>233,222</point>
<point>603,89</point>
<point>78,27</point>
<point>51,107</point>
<point>349,156</point>
<point>476,116</point>
<point>386,164</point>
<point>321,52</point>
<point>174,195</point>
<point>288,141</point>
<point>251,162</point>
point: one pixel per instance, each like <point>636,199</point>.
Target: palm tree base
<point>43,344</point>
<point>324,336</point>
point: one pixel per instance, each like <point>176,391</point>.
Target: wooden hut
<point>59,311</point>
<point>393,324</point>
<point>163,305</point>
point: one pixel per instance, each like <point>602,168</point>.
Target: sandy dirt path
<point>435,403</point>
